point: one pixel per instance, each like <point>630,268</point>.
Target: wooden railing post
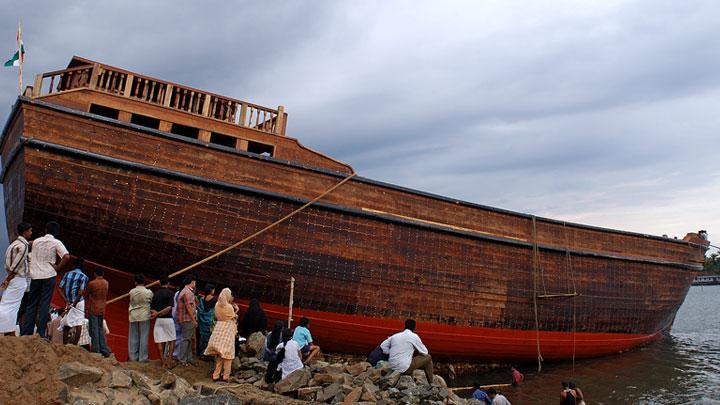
<point>280,121</point>
<point>168,95</point>
<point>206,106</point>
<point>94,76</point>
<point>128,84</point>
<point>243,114</point>
<point>37,89</point>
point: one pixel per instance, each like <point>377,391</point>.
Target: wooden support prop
<point>248,238</point>
<point>290,304</point>
<point>483,387</point>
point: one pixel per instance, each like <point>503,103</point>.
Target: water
<point>683,368</point>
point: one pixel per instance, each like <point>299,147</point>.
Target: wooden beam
<point>204,136</point>
<point>241,144</point>
<point>124,116</point>
<point>165,126</point>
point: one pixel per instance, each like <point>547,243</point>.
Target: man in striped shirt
<point>72,289</point>
<point>16,267</point>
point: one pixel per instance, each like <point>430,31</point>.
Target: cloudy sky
<point>600,112</point>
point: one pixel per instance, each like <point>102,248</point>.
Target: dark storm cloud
<point>600,112</point>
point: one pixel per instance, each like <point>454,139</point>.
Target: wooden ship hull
<point>146,196</point>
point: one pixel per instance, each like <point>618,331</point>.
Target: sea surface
<point>683,368</point>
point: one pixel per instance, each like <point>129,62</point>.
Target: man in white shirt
<point>45,253</point>
<point>402,346</point>
<point>16,267</point>
<point>498,399</point>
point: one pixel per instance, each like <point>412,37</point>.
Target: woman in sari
<point>222,341</point>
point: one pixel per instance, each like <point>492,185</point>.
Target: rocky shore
<point>40,372</point>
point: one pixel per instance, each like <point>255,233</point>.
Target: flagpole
<point>20,54</point>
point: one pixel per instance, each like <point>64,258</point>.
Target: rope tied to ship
<point>248,238</point>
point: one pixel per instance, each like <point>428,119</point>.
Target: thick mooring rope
<point>248,238</point>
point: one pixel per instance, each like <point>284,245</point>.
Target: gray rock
<point>183,388</point>
<point>296,379</point>
<point>439,381</point>
<point>333,369</point>
<point>389,380</point>
<point>119,379</point>
<point>327,378</point>
<point>219,399</point>
<point>246,374</point>
<point>168,397</point>
<point>328,392</point>
<point>405,382</point>
<point>357,368</point>
<point>75,374</point>
<point>370,387</point>
<point>143,382</point>
<point>420,377</point>
<point>168,380</point>
<point>255,344</point>
<point>308,393</point>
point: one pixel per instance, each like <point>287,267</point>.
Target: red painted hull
<point>360,334</point>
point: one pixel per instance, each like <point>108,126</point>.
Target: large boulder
<point>405,382</point>
<point>389,380</point>
<point>329,392</point>
<point>308,393</point>
<point>214,399</point>
<point>144,382</point>
<point>357,368</point>
<point>326,378</point>
<point>255,344</point>
<point>296,379</point>
<point>75,374</point>
<point>353,396</point>
<point>420,377</point>
<point>119,379</point>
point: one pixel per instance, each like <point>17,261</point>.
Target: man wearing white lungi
<point>17,269</point>
<point>43,271</point>
<point>72,289</point>
<point>161,309</point>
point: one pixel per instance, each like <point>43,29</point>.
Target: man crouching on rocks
<point>401,347</point>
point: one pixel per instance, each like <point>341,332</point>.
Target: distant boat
<point>712,279</point>
<point>149,176</point>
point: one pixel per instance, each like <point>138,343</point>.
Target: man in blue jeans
<point>46,251</point>
<point>96,299</point>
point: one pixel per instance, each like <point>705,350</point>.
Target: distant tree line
<point>712,263</point>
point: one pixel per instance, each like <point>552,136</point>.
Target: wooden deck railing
<point>153,91</point>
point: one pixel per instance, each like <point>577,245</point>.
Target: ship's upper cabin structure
<point>192,114</point>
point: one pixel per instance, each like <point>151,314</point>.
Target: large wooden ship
<point>149,176</point>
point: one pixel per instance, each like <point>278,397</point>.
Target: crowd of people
<point>181,316</point>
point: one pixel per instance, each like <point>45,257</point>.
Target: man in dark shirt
<point>97,291</point>
<point>164,331</point>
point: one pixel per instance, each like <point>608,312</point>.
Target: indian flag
<point>19,56</point>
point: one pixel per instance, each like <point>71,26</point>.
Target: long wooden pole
<point>20,59</point>
<point>290,304</point>
<point>247,239</point>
